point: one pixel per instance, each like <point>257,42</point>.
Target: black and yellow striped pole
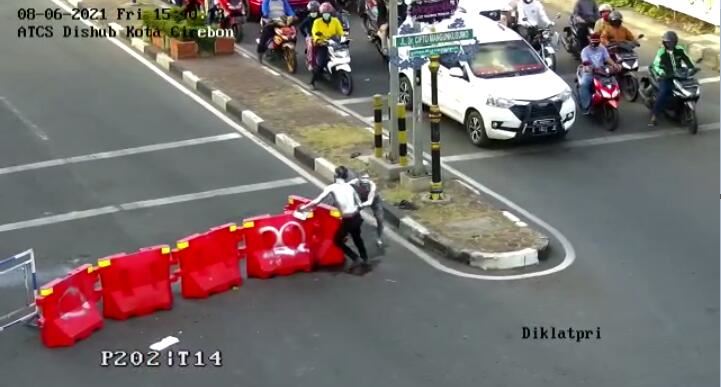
<point>402,136</point>
<point>435,117</point>
<point>378,125</point>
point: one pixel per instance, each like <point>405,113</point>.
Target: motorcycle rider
<point>227,8</point>
<point>593,56</point>
<point>668,59</point>
<point>383,15</point>
<point>307,24</point>
<point>616,32</point>
<point>271,10</point>
<point>324,28</point>
<point>605,11</point>
<point>531,17</point>
<point>585,13</point>
<point>347,201</point>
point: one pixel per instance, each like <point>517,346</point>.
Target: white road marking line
<point>431,261</point>
<point>118,153</point>
<point>164,343</point>
<point>336,110</point>
<point>704,81</point>
<point>75,215</point>
<point>576,143</point>
<point>268,69</point>
<point>302,90</point>
<point>245,55</point>
<point>353,101</point>
<point>33,128</point>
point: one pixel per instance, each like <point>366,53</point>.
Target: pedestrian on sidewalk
<point>368,194</point>
<point>349,204</point>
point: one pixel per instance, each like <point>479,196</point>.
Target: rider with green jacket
<point>668,59</point>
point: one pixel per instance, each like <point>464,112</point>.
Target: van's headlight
<point>563,97</point>
<point>499,102</point>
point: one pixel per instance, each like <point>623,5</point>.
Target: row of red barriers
<point>140,283</point>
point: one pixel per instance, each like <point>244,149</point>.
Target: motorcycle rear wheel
<point>610,118</point>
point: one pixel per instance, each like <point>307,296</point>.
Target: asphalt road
<point>639,214</point>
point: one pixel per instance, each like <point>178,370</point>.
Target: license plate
<point>543,126</point>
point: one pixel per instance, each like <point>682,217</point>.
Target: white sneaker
<point>379,243</point>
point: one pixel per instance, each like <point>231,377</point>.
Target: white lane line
<point>33,128</point>
<point>75,215</point>
<point>302,90</point>
<point>431,261</point>
<point>704,81</point>
<point>487,154</point>
<point>353,101</point>
<point>118,153</point>
<point>164,343</point>
<point>268,69</point>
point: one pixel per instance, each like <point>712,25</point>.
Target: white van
<point>504,92</point>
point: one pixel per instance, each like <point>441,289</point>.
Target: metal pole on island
<point>435,117</point>
<point>393,84</point>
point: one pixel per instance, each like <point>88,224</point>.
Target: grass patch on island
<point>337,143</point>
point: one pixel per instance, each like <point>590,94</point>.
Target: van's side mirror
<point>457,72</point>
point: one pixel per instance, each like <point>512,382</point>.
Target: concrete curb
<point>409,228</point>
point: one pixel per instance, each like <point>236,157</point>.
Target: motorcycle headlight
<point>341,53</point>
<point>615,93</point>
<point>499,102</point>
<point>606,94</point>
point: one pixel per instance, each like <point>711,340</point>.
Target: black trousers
<point>352,225</point>
<point>321,60</point>
<point>266,34</point>
<point>583,35</point>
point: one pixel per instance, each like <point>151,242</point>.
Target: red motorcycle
<point>606,95</point>
<point>283,43</point>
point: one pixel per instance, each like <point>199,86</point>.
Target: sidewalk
<point>704,46</point>
<point>465,228</point>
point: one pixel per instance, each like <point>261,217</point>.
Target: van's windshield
<point>505,59</point>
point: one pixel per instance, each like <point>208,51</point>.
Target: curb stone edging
<point>408,227</point>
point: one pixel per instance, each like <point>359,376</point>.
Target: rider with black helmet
<point>307,24</point>
<point>615,31</point>
<point>668,58</point>
<point>349,204</point>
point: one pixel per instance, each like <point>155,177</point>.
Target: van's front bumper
<point>535,119</point>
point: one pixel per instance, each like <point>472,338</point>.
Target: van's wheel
<point>476,129</point>
<point>405,92</point>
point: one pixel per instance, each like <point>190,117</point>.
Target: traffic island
<point>464,227</point>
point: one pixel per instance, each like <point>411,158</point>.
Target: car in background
<point>497,10</point>
<point>500,90</point>
<point>253,7</point>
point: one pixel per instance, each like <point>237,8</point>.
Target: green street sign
<point>437,50</point>
<point>430,39</point>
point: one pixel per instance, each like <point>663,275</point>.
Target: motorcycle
<point>606,95</point>
<point>681,106</point>
<point>370,24</point>
<point>545,41</point>
<point>623,54</point>
<point>338,68</point>
<point>283,43</point>
<point>570,39</point>
<point>235,20</point>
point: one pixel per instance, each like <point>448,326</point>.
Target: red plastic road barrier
<point>326,221</point>
<point>68,310</point>
<point>209,261</point>
<point>277,245</point>
<point>136,284</point>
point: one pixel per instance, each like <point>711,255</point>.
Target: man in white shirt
<point>349,204</point>
<point>531,17</point>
